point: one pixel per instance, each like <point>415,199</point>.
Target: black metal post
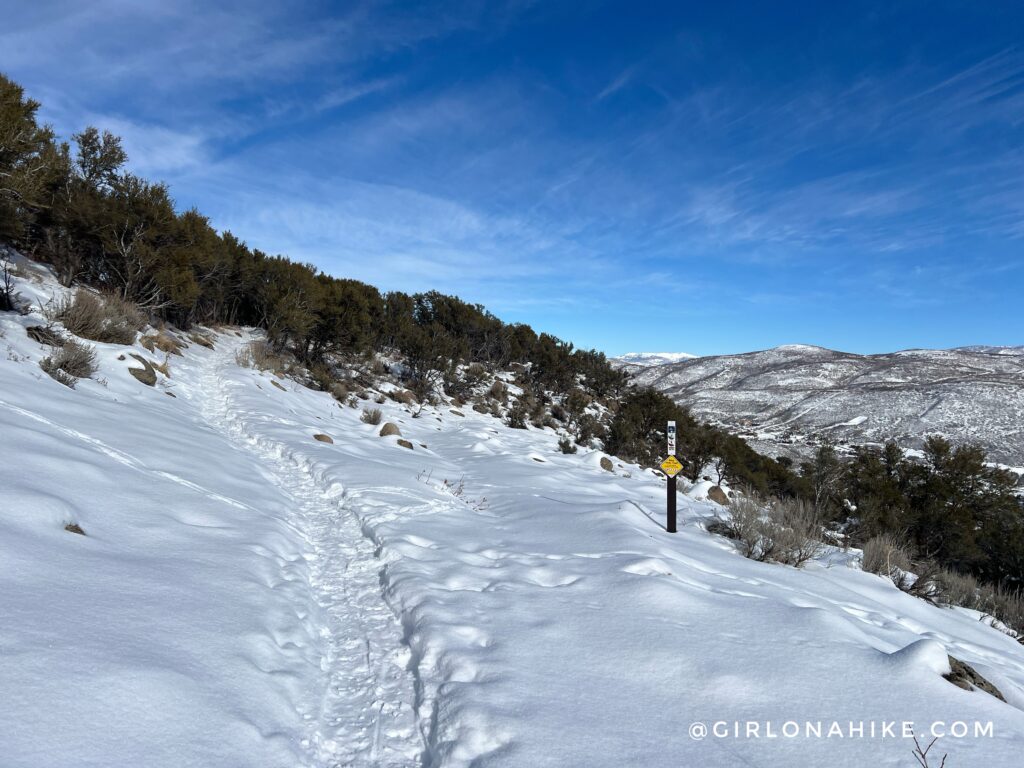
<point>670,525</point>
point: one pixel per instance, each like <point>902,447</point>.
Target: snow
<point>699,490</point>
<point>647,359</point>
<point>799,348</point>
<point>788,396</point>
<point>248,596</point>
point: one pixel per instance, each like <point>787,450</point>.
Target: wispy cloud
<point>522,157</point>
<point>617,83</point>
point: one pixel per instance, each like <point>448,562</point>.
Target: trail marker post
<point>671,467</point>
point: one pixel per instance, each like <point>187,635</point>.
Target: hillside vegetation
<point>75,206</point>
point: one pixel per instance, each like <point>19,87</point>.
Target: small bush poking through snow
<point>565,445</point>
<point>108,319</point>
<point>8,296</point>
<point>885,556</point>
<point>948,588</point>
<point>322,377</point>
<point>798,532</point>
<point>339,391</point>
<point>498,391</point>
<point>261,356</point>
<point>517,415</point>
<point>71,362</point>
<point>371,416</point>
<point>782,531</point>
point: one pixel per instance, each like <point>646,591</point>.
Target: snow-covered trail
<point>246,596</point>
<point>366,715</point>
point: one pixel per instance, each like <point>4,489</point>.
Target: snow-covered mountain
<point>225,568</point>
<point>646,359</point>
<point>786,398</point>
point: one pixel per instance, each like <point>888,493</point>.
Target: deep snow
<point>248,596</point>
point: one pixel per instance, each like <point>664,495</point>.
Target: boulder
<point>717,495</point>
<point>324,438</point>
<point>965,676</point>
<point>146,374</point>
<point>606,464</point>
<point>405,444</point>
<point>390,429</point>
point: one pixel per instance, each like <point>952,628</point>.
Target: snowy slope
<point>647,359</point>
<point>249,596</point>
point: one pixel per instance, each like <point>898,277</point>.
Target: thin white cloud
<point>155,150</point>
<point>617,83</point>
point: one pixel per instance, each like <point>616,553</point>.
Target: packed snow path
<point>366,716</point>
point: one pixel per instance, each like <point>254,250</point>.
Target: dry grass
<point>404,396</point>
<point>339,391</point>
<point>885,556</point>
<point>260,355</point>
<point>70,363</point>
<point>371,416</point>
<point>46,335</point>
<point>498,391</point>
<point>108,319</point>
<point>958,589</point>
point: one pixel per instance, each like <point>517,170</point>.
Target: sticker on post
<point>671,466</point>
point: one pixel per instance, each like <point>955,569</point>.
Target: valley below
<point>785,401</point>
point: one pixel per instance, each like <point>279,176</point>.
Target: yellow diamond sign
<point>671,466</point>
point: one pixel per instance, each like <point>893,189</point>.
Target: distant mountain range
<point>787,399</point>
<point>646,359</point>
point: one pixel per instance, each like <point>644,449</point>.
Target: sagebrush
<point>71,362</point>
<point>105,318</point>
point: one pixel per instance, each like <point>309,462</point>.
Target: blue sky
<point>702,177</point>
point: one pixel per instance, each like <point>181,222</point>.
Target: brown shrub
<point>786,532</point>
<point>46,335</point>
<point>71,362</point>
<point>260,355</point>
<point>885,556</point>
<point>108,319</point>
<point>498,391</point>
<point>404,396</point>
<point>339,391</point>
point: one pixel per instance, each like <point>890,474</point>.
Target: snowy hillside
<point>784,399</point>
<point>264,580</point>
<point>647,359</point>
